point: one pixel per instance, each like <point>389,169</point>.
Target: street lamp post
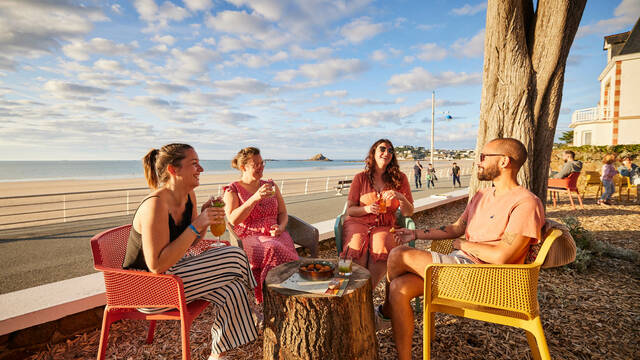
<point>433,116</point>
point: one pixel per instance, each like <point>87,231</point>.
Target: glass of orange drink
<point>382,205</point>
<point>217,229</point>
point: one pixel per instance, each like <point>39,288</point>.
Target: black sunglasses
<point>483,156</point>
<point>385,149</point>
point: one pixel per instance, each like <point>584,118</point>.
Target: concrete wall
<point>630,89</point>
<point>600,133</point>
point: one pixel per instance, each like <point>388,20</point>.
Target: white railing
<point>597,113</point>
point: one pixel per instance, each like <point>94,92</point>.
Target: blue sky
<point>111,79</point>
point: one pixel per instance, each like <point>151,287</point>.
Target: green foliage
<point>618,149</point>
<point>567,137</point>
<point>589,247</point>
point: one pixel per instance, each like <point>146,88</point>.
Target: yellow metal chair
<point>500,294</point>
<point>592,178</point>
<point>624,183</point>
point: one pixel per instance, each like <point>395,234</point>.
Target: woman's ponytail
<point>149,164</point>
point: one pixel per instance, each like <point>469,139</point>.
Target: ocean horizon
<point>32,170</point>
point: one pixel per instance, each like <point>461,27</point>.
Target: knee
<point>399,290</point>
<point>396,256</point>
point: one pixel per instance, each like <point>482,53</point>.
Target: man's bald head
<point>512,148</point>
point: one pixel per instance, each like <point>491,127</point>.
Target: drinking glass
<point>344,266</point>
<point>217,229</point>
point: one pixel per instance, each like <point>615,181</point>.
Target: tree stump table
<point>299,325</point>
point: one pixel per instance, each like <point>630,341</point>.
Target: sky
<point>98,80</point>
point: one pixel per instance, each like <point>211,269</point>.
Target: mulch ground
<point>589,315</point>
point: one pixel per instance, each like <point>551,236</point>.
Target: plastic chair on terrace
<point>625,184</point>
<point>500,294</point>
<point>128,290</point>
<point>592,179</point>
<point>568,185</point>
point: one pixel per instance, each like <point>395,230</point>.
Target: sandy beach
<point>20,206</point>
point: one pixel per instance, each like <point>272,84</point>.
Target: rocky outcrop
<point>319,157</point>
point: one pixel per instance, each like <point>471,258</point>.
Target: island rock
<point>319,157</point>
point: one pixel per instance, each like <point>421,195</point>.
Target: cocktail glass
<point>344,266</point>
<point>218,228</point>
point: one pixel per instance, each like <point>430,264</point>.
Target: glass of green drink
<point>344,266</point>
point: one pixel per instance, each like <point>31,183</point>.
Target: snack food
<point>317,270</point>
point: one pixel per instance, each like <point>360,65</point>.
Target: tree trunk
<point>307,326</point>
<point>525,54</point>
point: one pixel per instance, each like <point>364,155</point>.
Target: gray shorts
<point>456,257</point>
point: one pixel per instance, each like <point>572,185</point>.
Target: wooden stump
<point>308,326</point>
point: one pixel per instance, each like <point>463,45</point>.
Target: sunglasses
<point>384,149</point>
<point>483,156</point>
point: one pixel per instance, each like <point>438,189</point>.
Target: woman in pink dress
<point>256,210</point>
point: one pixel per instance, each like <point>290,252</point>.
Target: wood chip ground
<point>591,315</point>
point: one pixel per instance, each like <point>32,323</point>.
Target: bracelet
<point>193,228</point>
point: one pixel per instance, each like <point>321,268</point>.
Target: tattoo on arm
<point>464,223</point>
<point>442,228</point>
<point>426,230</point>
<point>508,238</point>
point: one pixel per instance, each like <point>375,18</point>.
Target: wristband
<point>193,228</point>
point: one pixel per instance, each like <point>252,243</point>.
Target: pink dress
<point>263,250</point>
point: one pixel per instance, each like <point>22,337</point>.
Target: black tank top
<point>134,257</point>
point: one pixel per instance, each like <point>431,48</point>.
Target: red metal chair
<point>568,185</point>
<point>128,290</point>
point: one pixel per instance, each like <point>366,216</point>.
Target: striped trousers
<point>222,276</point>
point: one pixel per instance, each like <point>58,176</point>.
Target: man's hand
<point>403,236</point>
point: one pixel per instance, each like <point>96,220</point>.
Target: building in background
<point>616,119</point>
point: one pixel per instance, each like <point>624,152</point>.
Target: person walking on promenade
<point>167,223</point>
<point>455,172</point>
<point>499,224</point>
<point>431,176</point>
<point>608,172</point>
<point>417,174</point>
<point>257,211</point>
<point>374,196</point>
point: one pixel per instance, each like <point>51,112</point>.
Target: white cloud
<point>255,61</point>
<point>408,59</point>
<point>469,47</point>
<point>116,8</point>
<point>326,71</point>
<point>379,55</point>
<point>232,118</point>
<point>431,52</point>
<point>469,9</point>
<point>166,39</point>
<point>237,22</point>
<point>240,85</point>
<point>32,28</point>
<point>164,109</point>
<point>360,30</point>
<point>61,89</point>
<point>158,17</point>
<point>426,27</point>
<point>396,116</point>
<point>198,5</point>
<point>194,61</point>
<point>82,50</point>
<point>335,93</point>
<point>310,54</point>
<point>366,101</point>
<point>166,89</point>
<point>420,79</point>
<point>625,15</point>
<point>107,65</point>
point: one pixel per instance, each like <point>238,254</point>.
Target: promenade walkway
<point>37,255</point>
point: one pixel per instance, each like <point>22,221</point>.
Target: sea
<point>118,169</point>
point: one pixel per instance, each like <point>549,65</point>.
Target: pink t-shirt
<point>488,217</point>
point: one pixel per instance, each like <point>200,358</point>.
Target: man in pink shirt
<point>499,225</point>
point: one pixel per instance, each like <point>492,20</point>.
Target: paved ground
<point>38,255</point>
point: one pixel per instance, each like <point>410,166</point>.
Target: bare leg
<point>403,260</point>
<point>402,290</point>
<point>377,269</point>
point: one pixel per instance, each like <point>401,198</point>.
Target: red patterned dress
<point>263,250</point>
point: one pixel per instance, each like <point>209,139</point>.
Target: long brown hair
<point>391,175</point>
<point>156,161</point>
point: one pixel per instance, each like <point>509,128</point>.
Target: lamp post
<point>433,117</point>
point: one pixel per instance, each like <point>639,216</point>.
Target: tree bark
<point>525,54</point>
<point>307,326</point>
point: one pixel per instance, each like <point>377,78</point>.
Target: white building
<point>616,119</point>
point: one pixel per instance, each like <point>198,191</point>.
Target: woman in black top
<point>167,223</point>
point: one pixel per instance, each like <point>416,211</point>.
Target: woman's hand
<point>208,216</point>
<point>392,194</point>
<point>264,192</point>
<point>403,236</point>
<point>276,230</point>
<point>372,209</point>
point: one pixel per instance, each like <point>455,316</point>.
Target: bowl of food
<point>317,270</point>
